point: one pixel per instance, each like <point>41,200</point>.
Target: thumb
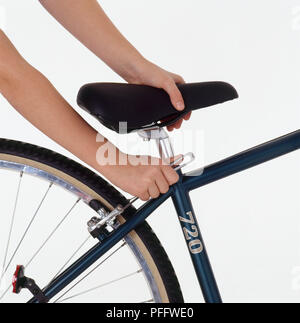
<point>175,95</point>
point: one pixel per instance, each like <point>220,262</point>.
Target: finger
<point>170,174</point>
<point>175,125</point>
<point>187,116</point>
<point>178,79</point>
<point>178,124</point>
<point>162,183</point>
<point>144,196</point>
<point>153,191</point>
<point>171,127</point>
<point>175,95</point>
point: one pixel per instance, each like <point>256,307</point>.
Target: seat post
<point>163,142</point>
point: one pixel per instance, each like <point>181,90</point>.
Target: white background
<point>250,222</point>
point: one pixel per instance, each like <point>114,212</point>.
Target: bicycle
<point>115,223</point>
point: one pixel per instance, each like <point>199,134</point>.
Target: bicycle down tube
<point>179,193</point>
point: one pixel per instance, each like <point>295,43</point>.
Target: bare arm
<point>86,20</point>
<point>39,102</point>
<point>32,95</point>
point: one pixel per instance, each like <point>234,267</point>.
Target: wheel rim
<point>82,196</point>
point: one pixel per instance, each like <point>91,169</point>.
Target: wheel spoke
<point>19,243</point>
<point>28,228</point>
<point>6,291</point>
<point>69,260</point>
<point>46,241</point>
<point>90,272</point>
<point>102,285</point>
<point>11,226</point>
<point>52,233</point>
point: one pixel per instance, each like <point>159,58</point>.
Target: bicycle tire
<point>87,181</point>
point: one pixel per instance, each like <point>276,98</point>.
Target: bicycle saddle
<point>143,106</point>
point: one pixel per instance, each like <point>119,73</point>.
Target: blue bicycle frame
<point>183,205</point>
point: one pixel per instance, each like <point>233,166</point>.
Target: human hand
<point>142,176</point>
<point>147,73</point>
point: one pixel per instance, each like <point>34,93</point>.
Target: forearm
<point>86,20</point>
<point>37,100</point>
<point>32,95</point>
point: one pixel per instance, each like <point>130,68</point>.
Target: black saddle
<point>144,106</point>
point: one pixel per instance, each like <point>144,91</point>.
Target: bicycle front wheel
<point>44,200</point>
